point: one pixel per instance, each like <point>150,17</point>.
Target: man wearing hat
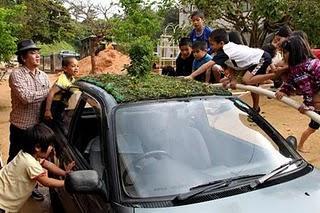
<point>29,87</point>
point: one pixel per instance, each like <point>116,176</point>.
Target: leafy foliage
<point>140,53</point>
<point>139,20</point>
<point>46,21</point>
<point>131,89</point>
<point>9,27</point>
<point>307,18</point>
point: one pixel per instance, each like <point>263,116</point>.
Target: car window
<point>87,132</point>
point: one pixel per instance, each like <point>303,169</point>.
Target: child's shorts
<point>313,124</point>
<point>261,67</point>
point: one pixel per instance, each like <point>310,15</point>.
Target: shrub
<point>141,55</point>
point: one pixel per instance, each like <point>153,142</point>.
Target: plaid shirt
<point>28,90</point>
<point>306,78</point>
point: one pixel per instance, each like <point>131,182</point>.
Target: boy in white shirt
<point>19,177</point>
<point>237,57</point>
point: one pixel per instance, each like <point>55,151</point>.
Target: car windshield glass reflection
<point>167,148</point>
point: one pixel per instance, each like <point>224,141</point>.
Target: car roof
<point>125,88</point>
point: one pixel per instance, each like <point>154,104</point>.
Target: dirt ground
<point>285,119</point>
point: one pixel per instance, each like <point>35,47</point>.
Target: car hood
<point>299,195</point>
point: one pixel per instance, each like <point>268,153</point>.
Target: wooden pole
<point>258,90</point>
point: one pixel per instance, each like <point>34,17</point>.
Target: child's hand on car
<point>233,84</point>
<point>68,168</point>
<point>225,82</point>
<point>189,77</point>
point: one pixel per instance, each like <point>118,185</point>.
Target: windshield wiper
<point>212,185</point>
<point>273,173</point>
<point>202,188</point>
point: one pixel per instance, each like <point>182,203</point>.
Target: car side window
<point>87,132</point>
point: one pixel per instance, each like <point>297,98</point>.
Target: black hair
<point>198,14</point>
<point>22,55</point>
<point>40,136</point>
<point>219,35</point>
<point>168,70</point>
<point>154,65</point>
<point>304,37</point>
<point>284,31</point>
<point>185,41</point>
<point>200,45</point>
<point>297,48</point>
<point>235,37</point>
<point>67,60</point>
<point>269,48</point>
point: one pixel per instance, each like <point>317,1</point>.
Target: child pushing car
<point>19,177</point>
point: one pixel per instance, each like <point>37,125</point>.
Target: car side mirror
<point>85,181</point>
<point>292,141</point>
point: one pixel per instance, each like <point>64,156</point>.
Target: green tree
<point>259,17</point>
<point>307,18</point>
<point>139,20</point>
<point>9,27</point>
<point>140,52</point>
<point>46,21</point>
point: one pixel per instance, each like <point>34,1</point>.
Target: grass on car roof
<point>126,88</point>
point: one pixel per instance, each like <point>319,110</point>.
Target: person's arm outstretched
<point>49,182</point>
<point>201,70</point>
<point>54,89</point>
<point>51,167</point>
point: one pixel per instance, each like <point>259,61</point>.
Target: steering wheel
<point>135,163</point>
<point>154,153</point>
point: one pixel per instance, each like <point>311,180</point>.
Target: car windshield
<point>167,148</point>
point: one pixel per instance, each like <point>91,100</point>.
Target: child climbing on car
<point>199,50</point>
<point>19,177</point>
<point>60,92</point>
<point>235,57</point>
<point>303,78</point>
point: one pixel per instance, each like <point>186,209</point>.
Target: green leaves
<point>46,21</point>
<point>150,87</point>
<point>140,53</point>
<point>140,20</point>
<point>8,30</point>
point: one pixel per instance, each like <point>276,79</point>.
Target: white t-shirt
<point>17,180</point>
<point>241,57</point>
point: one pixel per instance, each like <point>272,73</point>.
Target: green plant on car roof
<point>127,88</point>
<point>140,84</point>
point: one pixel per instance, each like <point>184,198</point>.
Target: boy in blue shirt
<point>199,49</point>
<point>200,32</point>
